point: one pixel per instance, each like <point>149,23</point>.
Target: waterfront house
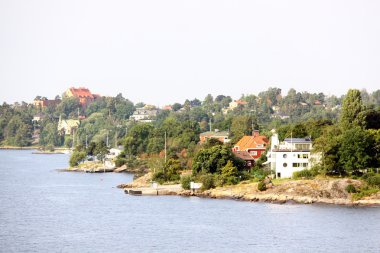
<point>222,136</point>
<point>291,155</point>
<point>254,144</point>
<point>246,157</point>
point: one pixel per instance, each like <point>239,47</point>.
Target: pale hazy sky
<point>162,52</point>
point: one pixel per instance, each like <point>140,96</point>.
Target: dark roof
<point>244,155</point>
<point>298,140</point>
<point>215,134</point>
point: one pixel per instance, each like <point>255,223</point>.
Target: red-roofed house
<point>84,95</point>
<point>255,145</point>
<point>42,102</point>
<point>236,103</point>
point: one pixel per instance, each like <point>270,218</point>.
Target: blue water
<point>44,210</point>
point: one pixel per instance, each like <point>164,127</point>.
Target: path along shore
<point>324,191</point>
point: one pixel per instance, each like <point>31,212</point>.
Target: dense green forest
<point>344,129</point>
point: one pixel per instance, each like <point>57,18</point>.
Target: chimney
<point>255,133</point>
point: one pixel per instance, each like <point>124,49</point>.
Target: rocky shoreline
<point>321,191</point>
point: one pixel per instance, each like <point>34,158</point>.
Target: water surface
<point>44,210</point>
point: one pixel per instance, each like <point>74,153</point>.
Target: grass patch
<point>279,181</point>
<point>364,192</point>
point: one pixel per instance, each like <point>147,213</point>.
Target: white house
<point>293,154</point>
<point>145,114</point>
<point>68,126</point>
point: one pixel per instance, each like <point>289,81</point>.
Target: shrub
<point>77,157</point>
<point>351,188</point>
<point>159,177</point>
<point>305,173</point>
<point>246,175</point>
<point>185,182</point>
<point>374,180</point>
<point>261,186</point>
<point>231,180</point>
<point>207,181</point>
<point>366,191</point>
<point>368,175</point>
<point>120,161</point>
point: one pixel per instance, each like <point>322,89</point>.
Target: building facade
<point>145,114</point>
<point>255,144</point>
<point>83,94</point>
<point>291,155</point>
<point>43,102</point>
<point>67,127</point>
<point>222,136</point>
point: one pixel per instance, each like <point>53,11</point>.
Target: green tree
<point>329,144</point>
<point>240,126</point>
<point>229,173</point>
<point>172,169</point>
<point>17,132</point>
<point>77,157</point>
<point>357,150</point>
<point>137,139</point>
<point>212,160</point>
<point>352,110</point>
<point>49,135</point>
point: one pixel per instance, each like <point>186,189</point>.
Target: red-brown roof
<point>241,102</point>
<point>81,92</point>
<point>244,155</point>
<point>251,142</point>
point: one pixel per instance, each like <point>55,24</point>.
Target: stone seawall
<point>326,191</point>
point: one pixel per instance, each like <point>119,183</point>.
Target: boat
<point>133,192</point>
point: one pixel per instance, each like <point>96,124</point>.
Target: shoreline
<point>18,148</point>
<point>326,192</point>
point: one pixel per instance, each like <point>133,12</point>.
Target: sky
<point>167,51</point>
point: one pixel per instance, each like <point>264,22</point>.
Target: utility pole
<point>73,144</point>
<point>252,120</point>
<point>165,148</point>
<point>116,138</point>
<point>107,139</point>
<point>86,142</point>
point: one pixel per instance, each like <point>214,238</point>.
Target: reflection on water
<point>44,210</point>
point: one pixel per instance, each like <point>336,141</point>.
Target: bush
<point>305,173</point>
<point>120,162</point>
<point>368,175</point>
<point>159,177</point>
<point>351,188</point>
<point>231,180</point>
<point>364,192</point>
<point>77,157</point>
<point>374,180</point>
<point>207,181</point>
<point>261,186</point>
<point>245,175</point>
<point>185,182</point>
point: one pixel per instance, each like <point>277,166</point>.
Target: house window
<point>254,153</point>
<point>303,156</point>
<point>285,165</point>
<point>285,155</point>
<point>278,174</point>
<point>295,165</point>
